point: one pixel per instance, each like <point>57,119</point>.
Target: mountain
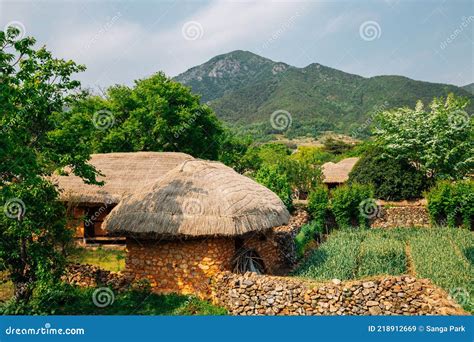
<point>469,88</point>
<point>245,89</point>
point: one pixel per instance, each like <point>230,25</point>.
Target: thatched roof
<point>198,198</point>
<point>124,174</point>
<point>338,172</point>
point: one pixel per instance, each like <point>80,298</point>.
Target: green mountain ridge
<point>245,89</point>
<point>469,88</point>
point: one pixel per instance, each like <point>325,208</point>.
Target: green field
<point>444,255</point>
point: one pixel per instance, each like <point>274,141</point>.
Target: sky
<point>121,41</point>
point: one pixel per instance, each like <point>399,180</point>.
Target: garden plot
<point>444,255</point>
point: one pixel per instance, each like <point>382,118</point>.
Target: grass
<point>444,255</point>
<point>108,259</point>
<point>64,299</point>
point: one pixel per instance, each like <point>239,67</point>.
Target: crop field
<point>444,255</point>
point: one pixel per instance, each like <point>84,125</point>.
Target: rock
<point>368,284</point>
<point>336,281</point>
<point>372,303</point>
<point>375,310</point>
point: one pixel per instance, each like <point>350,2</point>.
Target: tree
<point>392,179</point>
<point>37,138</point>
<point>157,114</point>
<point>438,141</point>
<point>271,177</point>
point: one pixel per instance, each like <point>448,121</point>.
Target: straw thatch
<point>124,174</point>
<point>198,198</point>
<point>338,172</point>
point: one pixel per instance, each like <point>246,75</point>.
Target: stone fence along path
<point>251,294</point>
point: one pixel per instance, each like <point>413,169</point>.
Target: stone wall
<point>402,216</point>
<point>179,266</point>
<point>251,294</point>
<point>93,276</point>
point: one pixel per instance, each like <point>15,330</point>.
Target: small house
<point>123,174</point>
<point>200,218</point>
<point>335,174</point>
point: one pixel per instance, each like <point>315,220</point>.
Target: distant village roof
<point>124,174</point>
<point>338,172</point>
<point>198,198</point>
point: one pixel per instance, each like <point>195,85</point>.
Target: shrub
<point>346,204</point>
<point>452,202</point>
<point>305,236</point>
<point>392,179</point>
<point>302,176</point>
<point>318,205</point>
<point>272,177</point>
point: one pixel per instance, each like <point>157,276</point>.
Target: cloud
<point>120,50</point>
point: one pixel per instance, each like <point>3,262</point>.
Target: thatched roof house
<point>123,174</point>
<point>202,217</point>
<point>198,198</point>
<point>338,173</point>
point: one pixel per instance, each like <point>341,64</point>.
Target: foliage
<point>271,177</point>
<point>312,155</point>
<point>302,176</point>
<point>449,202</point>
<point>437,141</point>
<point>37,138</point>
<point>157,114</point>
<point>443,256</point>
<point>305,236</point>
<point>318,97</point>
<point>336,146</point>
<point>392,179</point>
<point>335,258</point>
<point>381,254</point>
<point>65,299</point>
<point>346,204</point>
<point>318,205</point>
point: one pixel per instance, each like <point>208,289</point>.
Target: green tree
<point>157,114</point>
<point>36,138</point>
<point>392,179</point>
<point>276,180</point>
<point>437,141</point>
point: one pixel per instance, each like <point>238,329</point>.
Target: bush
<point>392,179</point>
<point>307,234</point>
<point>272,177</point>
<point>318,205</point>
<point>302,176</point>
<point>346,204</point>
<point>451,203</point>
